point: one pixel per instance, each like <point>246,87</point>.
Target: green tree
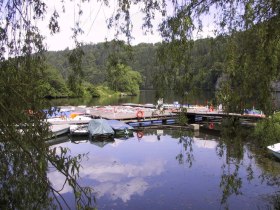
<point>122,78</point>
<point>54,84</point>
<point>24,155</point>
<point>252,64</point>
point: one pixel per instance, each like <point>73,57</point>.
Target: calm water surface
<point>173,170</point>
<point>145,96</point>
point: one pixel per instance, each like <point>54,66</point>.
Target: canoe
<point>275,149</point>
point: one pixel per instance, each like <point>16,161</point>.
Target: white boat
<point>80,119</point>
<point>58,130</point>
<point>275,149</point>
<point>79,129</point>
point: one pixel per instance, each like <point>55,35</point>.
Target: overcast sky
<point>93,22</point>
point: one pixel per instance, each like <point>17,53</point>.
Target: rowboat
<point>275,149</point>
<point>57,130</point>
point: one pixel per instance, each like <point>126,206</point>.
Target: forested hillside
<point>206,64</point>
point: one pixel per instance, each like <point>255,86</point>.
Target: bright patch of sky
<point>94,24</point>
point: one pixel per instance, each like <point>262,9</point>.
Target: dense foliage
<point>247,31</point>
<point>268,130</point>
<point>207,62</point>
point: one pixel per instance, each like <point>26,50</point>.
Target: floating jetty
<point>122,112</point>
<point>144,114</point>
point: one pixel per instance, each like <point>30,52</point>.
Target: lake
<point>145,96</point>
<point>174,169</point>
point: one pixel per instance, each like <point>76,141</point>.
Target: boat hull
<point>79,130</point>
<point>58,130</point>
<point>275,150</point>
<point>99,127</point>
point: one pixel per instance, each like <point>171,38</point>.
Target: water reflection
<point>122,190</point>
<point>186,152</point>
<point>145,96</point>
<point>20,174</point>
<point>122,180</point>
<point>177,170</point>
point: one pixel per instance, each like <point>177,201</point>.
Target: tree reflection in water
<point>233,139</point>
<point>25,158</point>
<point>23,180</point>
<point>186,154</point>
<point>231,146</point>
<point>234,142</point>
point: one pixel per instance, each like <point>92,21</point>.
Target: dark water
<point>145,96</point>
<point>173,169</point>
<point>149,96</point>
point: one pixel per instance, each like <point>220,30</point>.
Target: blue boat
<point>56,112</point>
<point>253,112</point>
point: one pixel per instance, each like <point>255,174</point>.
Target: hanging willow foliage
<point>24,155</point>
<point>250,26</point>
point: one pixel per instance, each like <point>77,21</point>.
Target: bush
<point>267,131</point>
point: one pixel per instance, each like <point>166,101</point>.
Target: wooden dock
<point>135,113</point>
<point>124,113</point>
<point>192,114</point>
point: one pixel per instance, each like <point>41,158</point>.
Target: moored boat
<point>57,130</point>
<point>120,128</point>
<point>253,112</point>
<point>75,119</point>
<point>275,149</point>
<point>79,129</point>
<point>100,129</point>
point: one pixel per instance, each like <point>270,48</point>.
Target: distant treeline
<point>205,66</point>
